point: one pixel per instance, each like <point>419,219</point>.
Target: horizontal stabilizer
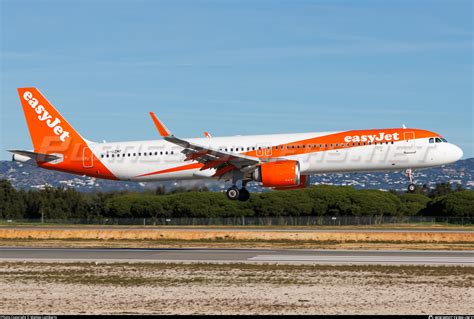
<point>39,157</point>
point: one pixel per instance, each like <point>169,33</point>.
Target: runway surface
<point>356,229</point>
<point>384,257</point>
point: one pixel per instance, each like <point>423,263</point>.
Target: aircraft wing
<point>223,162</point>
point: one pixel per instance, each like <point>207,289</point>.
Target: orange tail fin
<point>52,134</point>
<point>49,131</point>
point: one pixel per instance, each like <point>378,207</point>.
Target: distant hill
<point>29,177</point>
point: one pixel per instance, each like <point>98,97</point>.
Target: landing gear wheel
<point>244,195</point>
<point>233,193</point>
<point>411,186</point>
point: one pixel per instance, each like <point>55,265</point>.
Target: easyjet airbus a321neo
<point>279,161</point>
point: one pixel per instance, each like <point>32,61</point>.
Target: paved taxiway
<point>385,257</point>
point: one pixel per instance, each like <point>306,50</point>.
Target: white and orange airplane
<point>279,161</point>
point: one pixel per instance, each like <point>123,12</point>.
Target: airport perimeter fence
<point>255,221</point>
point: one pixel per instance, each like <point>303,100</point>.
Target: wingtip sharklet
<point>164,132</point>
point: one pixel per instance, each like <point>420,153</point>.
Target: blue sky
<point>239,67</point>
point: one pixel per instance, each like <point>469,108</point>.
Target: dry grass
<point>395,237</point>
<point>170,288</point>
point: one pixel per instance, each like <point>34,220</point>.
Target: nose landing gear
<point>411,186</point>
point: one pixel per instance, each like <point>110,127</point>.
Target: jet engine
<point>278,174</point>
<point>304,182</point>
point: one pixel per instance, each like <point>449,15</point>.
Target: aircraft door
<point>87,158</point>
<point>410,147</point>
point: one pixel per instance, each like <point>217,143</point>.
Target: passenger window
<point>128,154</point>
<point>139,154</point>
<point>156,153</point>
<point>166,152</point>
<point>304,146</point>
<point>134,154</point>
<point>107,155</point>
<point>161,153</point>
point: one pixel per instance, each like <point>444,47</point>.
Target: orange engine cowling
<point>304,182</point>
<point>278,174</point>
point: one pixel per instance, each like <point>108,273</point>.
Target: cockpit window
<point>438,140</point>
<point>431,140</point>
<point>444,140</point>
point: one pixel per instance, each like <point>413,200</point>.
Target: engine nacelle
<point>304,182</point>
<point>278,174</point>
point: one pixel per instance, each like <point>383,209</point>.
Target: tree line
<point>67,203</point>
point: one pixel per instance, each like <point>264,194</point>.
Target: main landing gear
<point>411,186</point>
<point>234,193</point>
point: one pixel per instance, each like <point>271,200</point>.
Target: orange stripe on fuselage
<point>308,145</point>
<point>174,169</point>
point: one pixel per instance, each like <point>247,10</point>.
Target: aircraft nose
<point>456,153</point>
